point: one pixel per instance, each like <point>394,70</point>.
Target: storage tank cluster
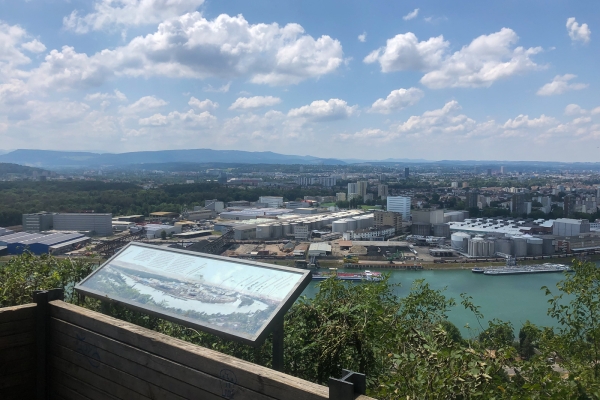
<point>480,247</point>
<point>457,240</point>
<point>352,224</point>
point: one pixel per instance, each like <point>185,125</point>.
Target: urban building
<point>406,172</point>
<point>471,199</point>
<point>154,231</point>
<point>301,232</point>
<point>361,188</point>
<point>271,201</point>
<point>382,191</point>
<point>388,218</point>
<point>340,196</point>
<point>95,223</point>
<point>489,172</point>
<point>502,170</point>
<point>517,204</point>
<point>399,204</point>
<point>352,191</point>
<point>428,216</point>
<point>568,206</point>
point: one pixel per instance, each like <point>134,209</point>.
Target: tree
<point>163,235</point>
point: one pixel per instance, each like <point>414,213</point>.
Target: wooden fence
<point>17,352</point>
<point>92,356</point>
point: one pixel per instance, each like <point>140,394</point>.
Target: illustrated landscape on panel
<point>232,297</point>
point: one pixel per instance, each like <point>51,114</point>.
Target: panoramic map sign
<point>228,297</point>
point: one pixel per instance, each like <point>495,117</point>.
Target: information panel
<point>221,295</point>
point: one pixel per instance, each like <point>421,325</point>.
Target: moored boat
<point>477,270</point>
<point>367,275</point>
<point>527,269</point>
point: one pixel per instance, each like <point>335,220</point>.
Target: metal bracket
<point>348,386</point>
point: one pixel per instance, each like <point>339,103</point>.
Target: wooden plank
<point>15,313</point>
<point>74,389</point>
<point>15,353</point>
<point>172,376</point>
<point>254,377</point>
<point>94,380</point>
<point>21,392</point>
<point>17,326</point>
<point>22,378</point>
<point>145,389</point>
<point>18,366</point>
<point>20,339</point>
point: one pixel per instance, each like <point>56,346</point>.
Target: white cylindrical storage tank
<point>535,247</point>
<point>504,246</point>
<point>520,247</point>
<point>441,230</point>
<point>370,220</point>
<point>456,240</point>
<point>548,247</point>
<point>277,231</point>
<point>352,224</point>
<point>340,226</point>
<point>263,231</point>
<point>286,228</point>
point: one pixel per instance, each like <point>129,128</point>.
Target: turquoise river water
<point>514,298</point>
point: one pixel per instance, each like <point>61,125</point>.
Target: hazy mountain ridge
<point>50,158</point>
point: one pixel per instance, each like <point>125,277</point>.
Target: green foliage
<point>498,335</point>
<point>163,235</point>
<point>529,337</point>
<point>26,273</point>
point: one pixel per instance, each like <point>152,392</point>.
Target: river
<point>514,298</point>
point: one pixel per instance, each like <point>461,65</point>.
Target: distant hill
<point>9,168</point>
<point>55,159</point>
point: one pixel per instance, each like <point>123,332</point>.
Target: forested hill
<point>9,168</point>
<point>22,197</point>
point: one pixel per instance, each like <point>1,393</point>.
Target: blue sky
<point>355,79</point>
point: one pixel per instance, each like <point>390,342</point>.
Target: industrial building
<point>319,249</point>
<point>271,201</point>
<point>154,231</point>
<point>37,243</point>
<point>429,216</point>
<point>399,204</point>
<point>371,234</point>
<point>160,215</point>
<point>5,231</point>
<point>94,223</point>
<point>570,227</point>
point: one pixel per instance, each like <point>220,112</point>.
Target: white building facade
<point>399,204</point>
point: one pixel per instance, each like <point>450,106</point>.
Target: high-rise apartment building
<point>388,218</point>
<point>517,204</point>
<point>382,191</point>
<point>352,191</point>
<point>406,172</point>
<point>569,206</point>
<point>471,199</point>
<point>361,187</point>
<point>399,204</point>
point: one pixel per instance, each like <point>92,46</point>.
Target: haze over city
<point>435,80</point>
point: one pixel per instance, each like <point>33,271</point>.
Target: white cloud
<point>560,85</point>
<point>11,39</point>
<point>35,46</point>
<point>397,100</point>
<point>321,110</point>
<point>117,95</point>
<point>193,47</point>
<point>523,121</point>
<point>362,37</point>
<point>220,89</point>
<point>143,104</point>
<point>578,32</point>
<point>203,105</point>
<point>110,14</point>
<point>596,111</point>
<point>485,60</point>
<point>443,120</point>
<point>245,103</point>
<point>411,15</point>
<point>574,109</point>
<point>405,52</point>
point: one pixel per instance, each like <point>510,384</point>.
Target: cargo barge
<point>523,269</point>
<point>348,276</point>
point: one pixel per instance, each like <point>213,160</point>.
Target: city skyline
<point>416,81</point>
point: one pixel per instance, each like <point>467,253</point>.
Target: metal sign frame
<point>272,324</point>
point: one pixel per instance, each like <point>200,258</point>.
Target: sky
<point>510,80</point>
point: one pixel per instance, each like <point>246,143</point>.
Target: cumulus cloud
<point>35,46</point>
<point>443,120</point>
<point>485,60</point>
<point>12,38</point>
<point>397,100</point>
<point>188,119</point>
<point>203,105</point>
<point>321,110</point>
<point>559,85</point>
<point>245,103</point>
<point>578,32</point>
<point>143,104</point>
<point>116,95</point>
<point>523,121</point>
<point>362,37</point>
<point>191,46</point>
<point>411,15</point>
<point>110,14</point>
<point>574,109</point>
<point>405,52</point>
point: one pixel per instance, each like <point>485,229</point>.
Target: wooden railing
<point>93,356</point>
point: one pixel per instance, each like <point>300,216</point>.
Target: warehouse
<point>319,249</point>
<point>39,243</point>
<point>96,223</point>
<point>155,231</point>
